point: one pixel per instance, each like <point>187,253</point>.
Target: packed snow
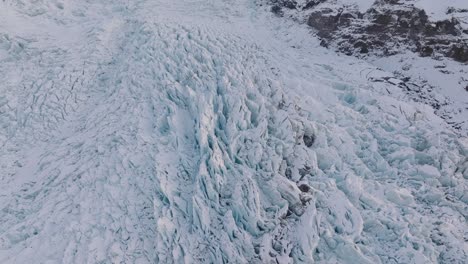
<point>199,131</point>
<point>439,10</point>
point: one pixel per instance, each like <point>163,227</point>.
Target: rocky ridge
<point>384,28</point>
<point>401,30</point>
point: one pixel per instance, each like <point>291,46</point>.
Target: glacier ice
<point>207,132</point>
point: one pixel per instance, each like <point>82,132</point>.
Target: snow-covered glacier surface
<point>200,131</point>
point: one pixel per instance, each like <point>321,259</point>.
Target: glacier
<point>202,131</point>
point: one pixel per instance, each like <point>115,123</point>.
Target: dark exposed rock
<point>324,43</point>
<point>304,187</point>
<point>324,22</point>
<point>276,9</point>
<point>345,19</point>
<point>452,10</point>
<point>291,4</point>
<point>312,3</point>
<point>384,29</point>
<point>382,20</point>
<point>362,46</point>
<point>426,51</point>
<point>309,140</point>
<point>459,52</point>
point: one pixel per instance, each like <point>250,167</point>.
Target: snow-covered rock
<point>424,43</point>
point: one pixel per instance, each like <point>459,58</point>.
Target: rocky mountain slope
<point>394,35</point>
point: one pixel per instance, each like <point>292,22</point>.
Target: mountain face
<point>391,31</point>
<point>386,27</point>
<point>217,132</point>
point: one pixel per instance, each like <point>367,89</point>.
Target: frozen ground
<point>210,132</point>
